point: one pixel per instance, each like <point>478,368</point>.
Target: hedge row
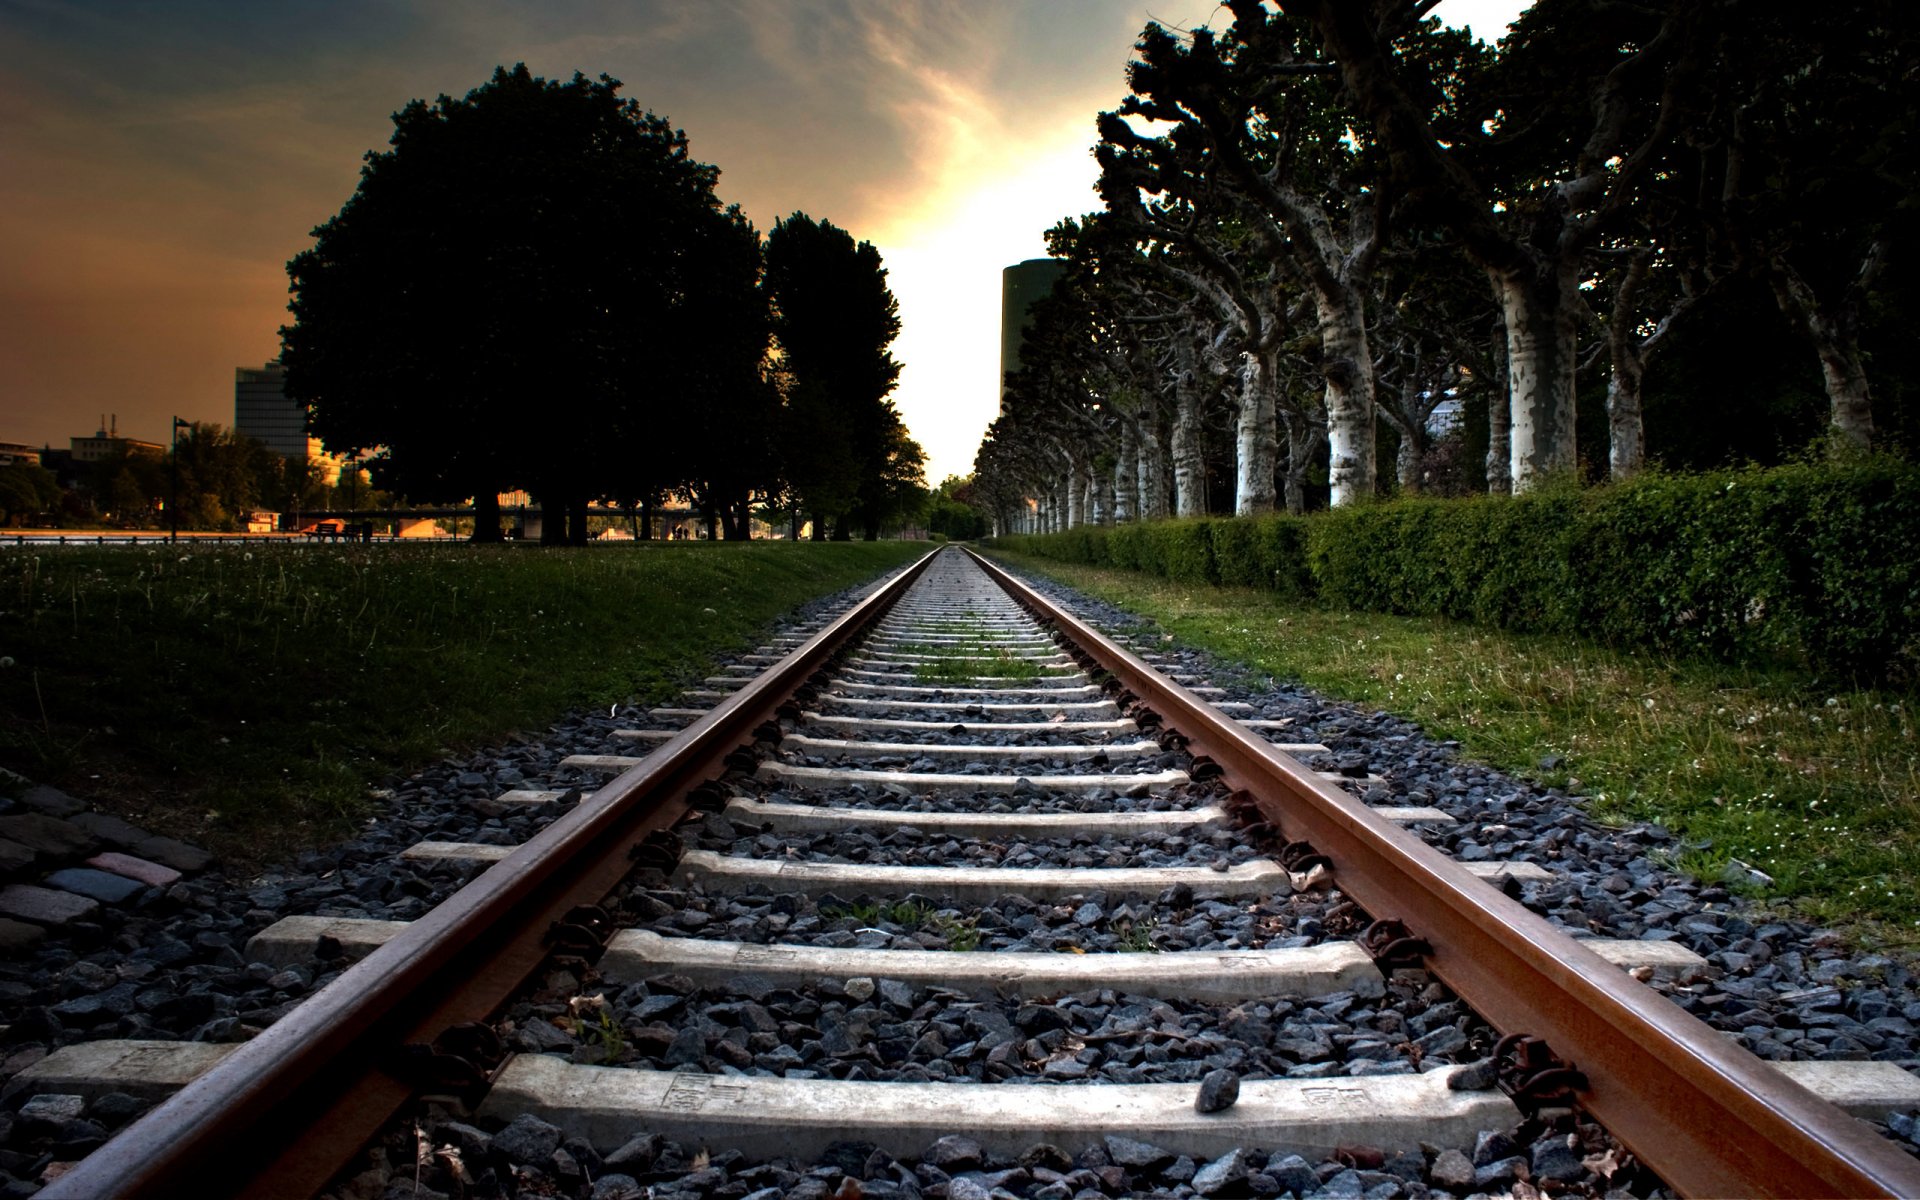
<point>1814,563</point>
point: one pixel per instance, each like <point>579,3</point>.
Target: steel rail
<point>286,1111</point>
<point>1708,1117</point>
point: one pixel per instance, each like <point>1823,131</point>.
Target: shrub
<point>1814,562</point>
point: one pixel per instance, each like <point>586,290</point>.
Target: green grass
<point>1814,783</point>
<point>248,697</point>
<point>981,663</point>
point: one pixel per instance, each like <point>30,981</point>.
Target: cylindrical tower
<point>1021,285</point>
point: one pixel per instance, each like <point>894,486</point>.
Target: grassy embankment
<point>1815,783</point>
<point>248,697</point>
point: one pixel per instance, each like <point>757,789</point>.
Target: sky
<point>160,163</point>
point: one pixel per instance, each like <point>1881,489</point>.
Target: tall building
<point>1021,286</point>
<point>262,412</point>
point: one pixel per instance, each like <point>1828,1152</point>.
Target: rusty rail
<point>287,1110</point>
<point>1709,1118</point>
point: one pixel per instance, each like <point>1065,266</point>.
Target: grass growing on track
<point>986,664</point>
<point>1814,782</point>
<point>248,696</point>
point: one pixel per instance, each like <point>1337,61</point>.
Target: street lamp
<point>173,491</point>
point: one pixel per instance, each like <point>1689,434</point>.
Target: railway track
<point>961,883</point>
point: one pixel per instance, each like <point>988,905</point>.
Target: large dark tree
<point>848,459</point>
<point>503,301</point>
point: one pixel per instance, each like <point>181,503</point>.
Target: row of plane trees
<point>1332,219</point>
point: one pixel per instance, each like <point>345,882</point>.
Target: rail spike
<point>456,1069</point>
<point>661,850</point>
<point>1541,1084</point>
<point>583,933</point>
<point>1392,946</point>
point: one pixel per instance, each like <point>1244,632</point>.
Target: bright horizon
<point>164,164</point>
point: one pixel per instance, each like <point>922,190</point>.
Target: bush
<point>1812,562</point>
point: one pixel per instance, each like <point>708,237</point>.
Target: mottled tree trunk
<point>1626,431</point>
<point>1348,366</point>
<point>1835,335</point>
<point>1303,437</point>
<point>1499,419</point>
<point>1256,440</point>
<point>1189,462</point>
<point>1539,308</point>
<point>1126,475</point>
<point>1155,483</point>
<point>1406,462</point>
<point>1076,496</point>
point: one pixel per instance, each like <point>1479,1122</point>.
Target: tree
<point>1258,139</point>
<point>26,489</point>
<point>1561,129</point>
<point>847,456</point>
<point>951,511</point>
<point>507,278</point>
<point>1812,148</point>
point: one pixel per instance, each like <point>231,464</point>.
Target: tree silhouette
<point>505,299</point>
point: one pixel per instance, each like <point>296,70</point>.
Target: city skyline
<point>164,164</point>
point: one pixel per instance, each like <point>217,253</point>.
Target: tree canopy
<point>1337,234</point>
<point>536,286</point>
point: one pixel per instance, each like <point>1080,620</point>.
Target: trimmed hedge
<point>1810,562</point>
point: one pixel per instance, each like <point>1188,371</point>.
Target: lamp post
<point>173,490</point>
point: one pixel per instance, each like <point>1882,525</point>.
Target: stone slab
<point>725,873</point>
<point>1106,708</point>
<point>517,800</point>
<point>1663,958</point>
<point>645,735</point>
<point>150,873</point>
<point>111,829</point>
<point>104,886</point>
<point>143,1069</point>
<point>1415,814</point>
<point>778,1117</point>
<point>15,858</point>
<point>47,835</point>
<point>895,660</point>
<point>668,714</point>
<point>784,818</point>
<point>1124,725</point>
<point>1525,872</point>
<point>290,940</point>
<point>876,683</point>
<point>176,854</point>
<point>1266,722</point>
<point>51,801</point>
<point>455,852</point>
<point>18,937</point>
<point>1229,706</point>
<point>927,783</point>
<point>804,744</point>
<point>1337,777</point>
<point>602,764</point>
<point>1218,977</point>
<point>1864,1089</point>
<point>43,906</point>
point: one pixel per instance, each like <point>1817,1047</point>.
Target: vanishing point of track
<point>283,1113</point>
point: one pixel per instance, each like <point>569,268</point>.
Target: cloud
<point>159,164</point>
